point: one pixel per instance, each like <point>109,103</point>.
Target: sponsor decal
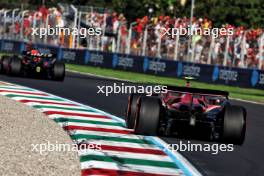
<point>226,75</point>
<point>96,59</point>
<point>125,62</point>
<point>191,70</point>
<point>44,50</point>
<point>261,79</point>
<point>122,61</point>
<point>69,55</point>
<point>155,66</point>
<point>8,46</point>
<point>257,78</point>
<point>188,70</point>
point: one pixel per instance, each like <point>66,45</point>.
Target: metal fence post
<point>97,43</point>
<point>74,24</point>
<point>90,43</point>
<point>5,13</point>
<point>261,55</point>
<point>128,43</point>
<point>176,46</point>
<point>46,26</point>
<point>209,60</point>
<point>145,42</point>
<point>193,49</point>
<point>22,24</point>
<point>79,25</point>
<point>103,33</point>
<point>13,20</point>
<point>118,39</point>
<point>113,45</point>
<point>243,48</point>
<point>34,24</point>
<point>226,50</point>
<point>1,32</point>
<point>159,46</point>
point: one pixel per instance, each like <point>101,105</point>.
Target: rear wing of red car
<point>50,55</point>
<point>198,91</point>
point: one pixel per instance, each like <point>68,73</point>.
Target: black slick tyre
<point>58,71</point>
<point>234,125</point>
<point>131,109</point>
<point>14,66</point>
<point>148,115</point>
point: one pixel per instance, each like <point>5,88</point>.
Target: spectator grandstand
<point>245,48</point>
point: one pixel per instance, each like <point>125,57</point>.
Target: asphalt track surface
<point>244,160</point>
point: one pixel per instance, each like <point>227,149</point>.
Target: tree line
<point>248,13</point>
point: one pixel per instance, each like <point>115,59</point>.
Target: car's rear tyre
<point>148,115</point>
<point>14,66</point>
<point>1,65</point>
<point>132,109</point>
<point>1,62</point>
<point>5,64</point>
<point>58,71</point>
<point>234,125</point>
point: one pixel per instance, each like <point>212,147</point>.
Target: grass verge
<point>235,92</point>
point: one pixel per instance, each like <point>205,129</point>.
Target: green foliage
<point>249,13</point>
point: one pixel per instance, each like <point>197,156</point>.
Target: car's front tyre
<point>132,109</point>
<point>58,71</point>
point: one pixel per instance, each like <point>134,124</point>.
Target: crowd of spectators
<point>22,28</point>
<point>242,49</point>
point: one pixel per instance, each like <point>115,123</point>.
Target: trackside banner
<point>249,78</point>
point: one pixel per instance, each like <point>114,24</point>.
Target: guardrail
<point>214,74</point>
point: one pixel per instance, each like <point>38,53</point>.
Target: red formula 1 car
<point>185,111</point>
<point>33,63</point>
